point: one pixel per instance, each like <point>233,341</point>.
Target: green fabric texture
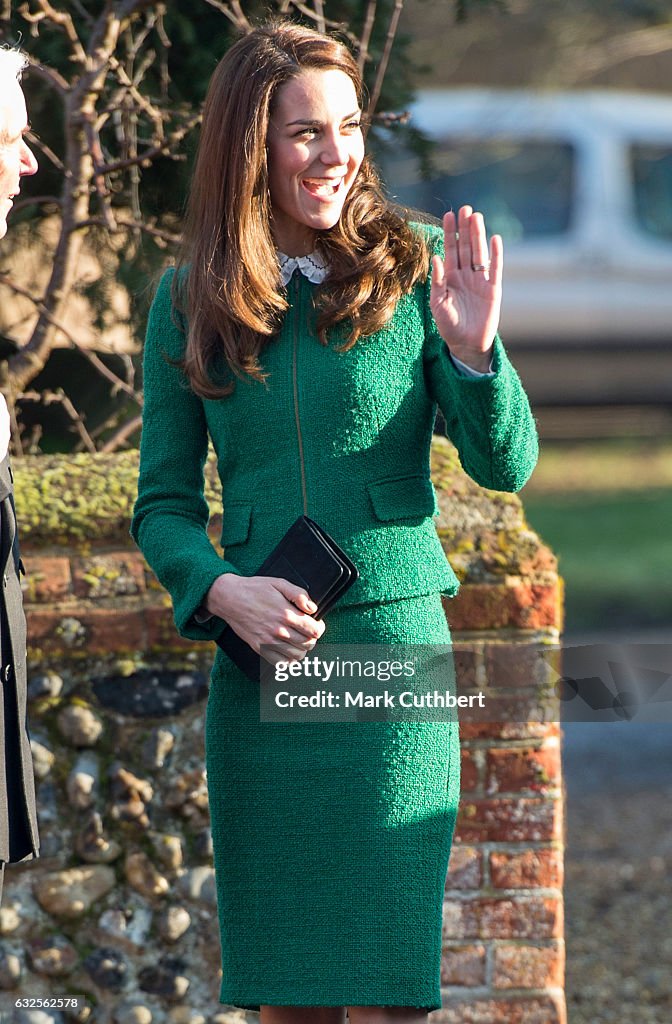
<point>331,840</point>
<point>343,437</point>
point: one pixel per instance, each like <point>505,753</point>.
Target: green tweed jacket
<point>343,437</point>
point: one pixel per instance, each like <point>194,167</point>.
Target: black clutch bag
<point>310,558</point>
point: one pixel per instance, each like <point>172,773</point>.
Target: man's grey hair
<point>12,63</point>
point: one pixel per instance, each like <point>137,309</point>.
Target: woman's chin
<point>295,232</point>
<point>326,219</point>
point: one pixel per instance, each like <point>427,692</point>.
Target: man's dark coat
<point>18,818</point>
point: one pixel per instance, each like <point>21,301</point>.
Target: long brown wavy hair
<point>234,300</point>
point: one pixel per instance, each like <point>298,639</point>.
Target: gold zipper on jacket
<point>297,288</point>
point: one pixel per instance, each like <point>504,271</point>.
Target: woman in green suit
<point>304,335</point>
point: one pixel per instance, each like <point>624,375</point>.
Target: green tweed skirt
<point>331,839</point>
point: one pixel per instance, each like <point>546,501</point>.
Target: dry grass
<point>601,466</point>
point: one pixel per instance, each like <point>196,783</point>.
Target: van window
<point>651,168</point>
<point>523,187</point>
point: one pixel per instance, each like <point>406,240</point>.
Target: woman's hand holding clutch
<point>265,611</point>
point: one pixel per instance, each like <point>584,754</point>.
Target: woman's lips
<point>322,188</point>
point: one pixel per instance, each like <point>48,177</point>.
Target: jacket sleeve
<point>488,418</point>
<point>171,514</point>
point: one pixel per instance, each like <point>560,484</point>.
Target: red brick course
<point>470,771</point>
<point>526,966</point>
<point>465,867</point>
<point>161,632</point>
<point>527,869</point>
<point>509,771</point>
<point>518,604</point>
<point>463,965</point>
<point>47,579</point>
<point>514,665</point>
<point>523,917</point>
<point>509,819</point>
<point>118,572</point>
<point>506,729</point>
<point>545,1009</point>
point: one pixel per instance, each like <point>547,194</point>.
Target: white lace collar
<point>314,267</point>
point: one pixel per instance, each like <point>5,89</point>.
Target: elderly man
<point>18,823</point>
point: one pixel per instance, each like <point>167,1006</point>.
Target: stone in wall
<point>122,908</point>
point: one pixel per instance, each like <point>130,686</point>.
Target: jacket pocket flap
<point>236,518</point>
<point>403,497</point>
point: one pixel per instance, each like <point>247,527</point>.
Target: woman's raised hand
<point>265,611</point>
<point>466,294</point>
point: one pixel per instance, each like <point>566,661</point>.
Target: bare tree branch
<point>385,59</point>
<point>95,361</point>
<point>365,40</point>
<point>36,141</point>
<point>129,8</point>
<point>149,228</point>
<point>319,16</point>
<point>102,191</point>
<point>337,26</point>
<point>122,434</point>
<point>59,396</point>
<point>35,201</point>
<point>161,149</point>
<point>107,109</point>
<point>49,75</point>
<point>138,41</point>
<point>167,237</point>
<point>233,12</point>
<point>82,12</point>
<point>142,102</point>
<point>119,435</point>
<point>60,18</point>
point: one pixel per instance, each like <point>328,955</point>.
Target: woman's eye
<point>349,126</point>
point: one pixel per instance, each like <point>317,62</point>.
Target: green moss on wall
<point>86,500</point>
<point>82,499</point>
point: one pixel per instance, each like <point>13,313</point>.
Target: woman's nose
<point>335,150</point>
<point>28,160</point>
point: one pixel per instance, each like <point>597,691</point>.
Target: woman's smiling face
<point>315,149</point>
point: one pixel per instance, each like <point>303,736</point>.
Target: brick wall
<point>503,923</point>
<point>94,607</point>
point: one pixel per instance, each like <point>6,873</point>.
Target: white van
<point>579,184</point>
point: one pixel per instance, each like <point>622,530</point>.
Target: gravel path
<point>618,888</point>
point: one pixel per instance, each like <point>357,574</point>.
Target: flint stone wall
<point>120,908</point>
